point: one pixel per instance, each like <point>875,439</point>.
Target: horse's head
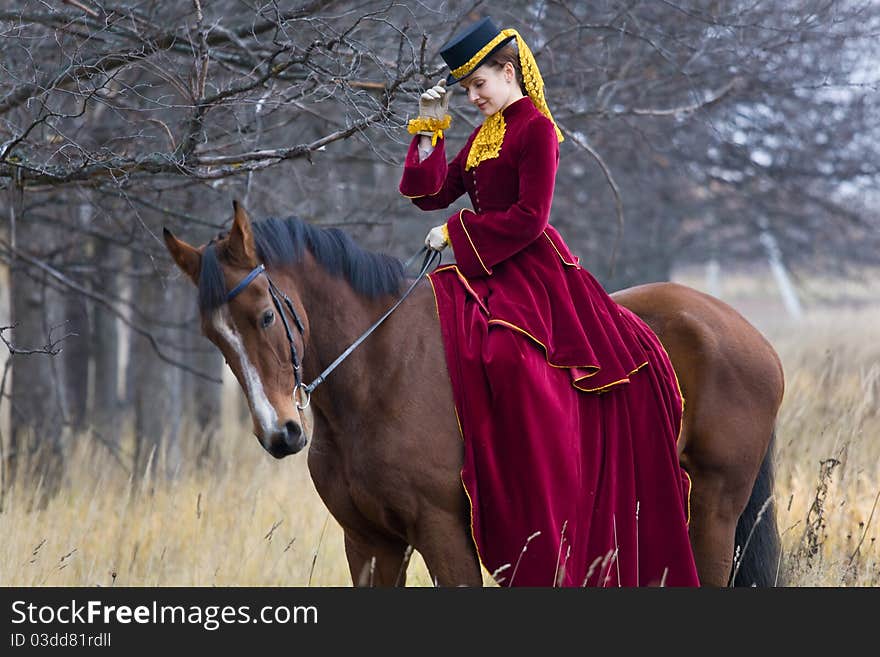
<point>247,329</point>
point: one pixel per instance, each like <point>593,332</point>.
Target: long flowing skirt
<point>567,487</point>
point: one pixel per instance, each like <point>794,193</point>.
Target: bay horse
<point>386,451</point>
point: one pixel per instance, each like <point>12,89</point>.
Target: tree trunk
<point>77,350</point>
<point>155,386</point>
<point>36,446</point>
<point>76,361</point>
<point>206,398</point>
<point>105,349</point>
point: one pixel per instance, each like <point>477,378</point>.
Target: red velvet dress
<point>567,403</point>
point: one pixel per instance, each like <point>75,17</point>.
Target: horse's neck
<point>337,316</point>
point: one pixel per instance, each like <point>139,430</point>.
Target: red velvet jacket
<point>513,262</point>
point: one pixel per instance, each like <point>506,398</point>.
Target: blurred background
<point>730,145</point>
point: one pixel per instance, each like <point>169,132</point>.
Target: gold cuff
<point>434,127</point>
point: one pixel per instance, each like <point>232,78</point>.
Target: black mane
<point>283,241</point>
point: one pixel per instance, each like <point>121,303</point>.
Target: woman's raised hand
<point>433,119</point>
<point>434,103</point>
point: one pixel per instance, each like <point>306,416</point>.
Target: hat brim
<point>450,79</point>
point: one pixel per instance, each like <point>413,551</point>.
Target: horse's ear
<point>187,257</point>
<point>241,237</point>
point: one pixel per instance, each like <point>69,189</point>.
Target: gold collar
<point>487,144</point>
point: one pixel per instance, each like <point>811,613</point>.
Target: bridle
<point>277,294</point>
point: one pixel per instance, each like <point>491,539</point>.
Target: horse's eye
<point>268,319</point>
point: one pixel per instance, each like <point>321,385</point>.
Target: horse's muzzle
<point>289,439</point>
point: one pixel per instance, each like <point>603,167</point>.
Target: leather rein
<point>305,391</point>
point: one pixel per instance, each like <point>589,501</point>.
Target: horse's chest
<point>361,492</point>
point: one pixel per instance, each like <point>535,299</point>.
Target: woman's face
<point>492,89</point>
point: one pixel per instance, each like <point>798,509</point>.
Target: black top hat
<point>463,53</point>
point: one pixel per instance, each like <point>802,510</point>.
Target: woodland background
<point>730,144</point>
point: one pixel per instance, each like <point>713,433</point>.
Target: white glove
<point>434,103</point>
<point>432,119</point>
<point>437,238</point>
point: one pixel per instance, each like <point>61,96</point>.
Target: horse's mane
<point>283,241</point>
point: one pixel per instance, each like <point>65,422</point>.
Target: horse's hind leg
<point>376,561</point>
<point>723,461</point>
<point>715,508</point>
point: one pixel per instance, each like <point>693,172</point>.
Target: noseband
<point>305,391</point>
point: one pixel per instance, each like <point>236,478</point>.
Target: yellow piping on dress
<point>574,382</point>
<point>464,282</point>
<point>460,473</point>
<point>607,386</point>
<point>688,501</point>
<point>553,244</point>
<point>466,234</point>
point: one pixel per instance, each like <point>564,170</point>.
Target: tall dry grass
<point>248,519</point>
<point>828,447</point>
<point>828,429</point>
<point>253,520</point>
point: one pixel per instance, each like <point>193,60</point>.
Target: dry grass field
<point>256,521</point>
<point>828,430</point>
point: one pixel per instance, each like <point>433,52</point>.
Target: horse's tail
<point>758,547</point>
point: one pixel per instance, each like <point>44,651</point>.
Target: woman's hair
<point>509,53</point>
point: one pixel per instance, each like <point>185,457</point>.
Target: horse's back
<point>709,342</point>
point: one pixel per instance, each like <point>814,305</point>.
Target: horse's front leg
<point>444,541</point>
<point>376,561</point>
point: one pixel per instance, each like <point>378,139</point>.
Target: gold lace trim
<point>532,77</point>
<point>487,144</point>
<point>434,126</point>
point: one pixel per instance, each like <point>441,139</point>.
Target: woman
<point>568,405</point>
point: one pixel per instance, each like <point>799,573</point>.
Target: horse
<point>386,449</point>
